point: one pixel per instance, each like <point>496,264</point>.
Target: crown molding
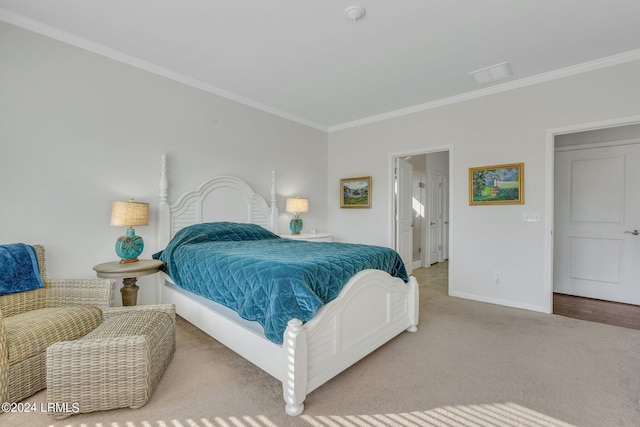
<point>82,43</point>
<point>597,64</point>
<point>71,39</point>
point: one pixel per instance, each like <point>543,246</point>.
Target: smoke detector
<point>354,13</point>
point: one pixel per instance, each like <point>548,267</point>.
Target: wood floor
<point>612,313</point>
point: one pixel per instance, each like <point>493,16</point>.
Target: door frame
<point>549,165</point>
<point>391,179</point>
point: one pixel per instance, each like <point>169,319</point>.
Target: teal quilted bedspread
<point>265,278</point>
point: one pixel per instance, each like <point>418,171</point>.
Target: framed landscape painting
<point>497,185</point>
<point>355,192</point>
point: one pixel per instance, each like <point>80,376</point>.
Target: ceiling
<point>305,61</point>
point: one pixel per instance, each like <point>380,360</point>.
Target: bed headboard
<point>221,198</point>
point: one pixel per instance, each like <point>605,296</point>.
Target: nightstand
<point>311,237</point>
<point>128,272</point>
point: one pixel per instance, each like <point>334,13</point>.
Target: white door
<point>597,213</point>
<point>418,202</point>
<point>435,217</point>
<point>404,212</point>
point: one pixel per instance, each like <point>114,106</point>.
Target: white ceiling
<point>303,60</point>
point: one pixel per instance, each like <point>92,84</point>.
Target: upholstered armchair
<point>30,321</point>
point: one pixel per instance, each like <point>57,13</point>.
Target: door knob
<point>634,232</point>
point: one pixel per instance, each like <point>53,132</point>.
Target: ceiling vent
<point>492,74</point>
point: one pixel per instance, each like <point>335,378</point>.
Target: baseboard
<point>416,264</point>
<point>497,301</point>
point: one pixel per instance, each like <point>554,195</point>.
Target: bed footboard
<point>372,309</point>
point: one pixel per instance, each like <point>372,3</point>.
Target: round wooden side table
<point>128,272</point>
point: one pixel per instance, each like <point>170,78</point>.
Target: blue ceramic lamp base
<point>296,224</point>
<point>129,246</point>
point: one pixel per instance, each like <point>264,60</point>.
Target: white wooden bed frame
<point>372,308</point>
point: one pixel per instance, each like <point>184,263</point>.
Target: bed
<point>370,309</point>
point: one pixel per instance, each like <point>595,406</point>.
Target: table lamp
<point>296,206</point>
<point>129,214</point>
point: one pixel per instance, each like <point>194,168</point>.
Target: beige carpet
<point>469,364</point>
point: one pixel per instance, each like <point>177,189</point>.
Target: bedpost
<point>294,385</point>
<point>274,206</point>
<point>414,304</point>
<point>164,226</point>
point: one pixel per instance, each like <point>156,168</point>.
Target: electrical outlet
<point>531,217</point>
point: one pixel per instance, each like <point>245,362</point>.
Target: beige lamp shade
<point>297,205</point>
<point>130,213</point>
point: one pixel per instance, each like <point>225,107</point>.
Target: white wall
<point>501,128</point>
<point>78,131</point>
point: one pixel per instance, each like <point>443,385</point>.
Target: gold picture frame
<point>497,185</point>
<point>355,192</point>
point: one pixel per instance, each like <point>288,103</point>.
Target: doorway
<point>421,210</point>
<point>596,210</point>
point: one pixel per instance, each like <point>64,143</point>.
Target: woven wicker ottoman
<point>116,365</point>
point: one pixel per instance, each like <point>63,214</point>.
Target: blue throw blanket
<point>18,269</point>
<point>265,278</point>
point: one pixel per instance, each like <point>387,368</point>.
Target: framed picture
<point>355,192</point>
<point>497,185</point>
